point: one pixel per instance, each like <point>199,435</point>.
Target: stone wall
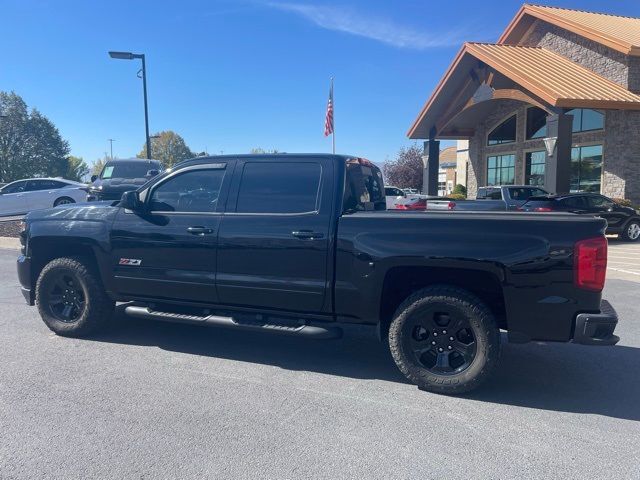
<point>622,155</point>
<point>616,66</point>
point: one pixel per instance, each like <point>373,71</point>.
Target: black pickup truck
<point>302,245</point>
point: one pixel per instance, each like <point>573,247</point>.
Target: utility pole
<point>111,140</point>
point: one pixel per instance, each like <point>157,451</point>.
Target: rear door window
<point>279,187</point>
<point>575,203</point>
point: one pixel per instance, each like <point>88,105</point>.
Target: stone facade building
<point>555,102</point>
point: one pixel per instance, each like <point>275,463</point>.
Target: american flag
<point>328,121</point>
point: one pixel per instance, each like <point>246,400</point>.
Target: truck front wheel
<point>71,299</point>
<point>445,340</point>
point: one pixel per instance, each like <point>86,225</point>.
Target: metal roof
<point>617,32</point>
<point>553,77</point>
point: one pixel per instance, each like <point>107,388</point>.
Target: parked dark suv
<point>119,176</point>
<point>621,220</point>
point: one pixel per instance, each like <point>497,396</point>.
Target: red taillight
<point>451,205</point>
<point>543,209</point>
<point>590,263</point>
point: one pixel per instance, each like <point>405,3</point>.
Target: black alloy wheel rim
<point>66,297</point>
<point>440,339</point>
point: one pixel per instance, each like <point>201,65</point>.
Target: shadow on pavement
<point>557,377</point>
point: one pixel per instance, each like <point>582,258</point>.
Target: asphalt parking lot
<point>624,260</point>
<point>153,400</point>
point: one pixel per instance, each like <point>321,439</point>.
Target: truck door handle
<point>199,230</point>
<point>307,234</point>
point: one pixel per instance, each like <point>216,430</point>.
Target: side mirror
<point>152,173</point>
<point>131,201</point>
<point>94,178</point>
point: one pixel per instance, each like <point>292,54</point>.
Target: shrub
<point>457,196</point>
<point>625,203</point>
<point>460,189</point>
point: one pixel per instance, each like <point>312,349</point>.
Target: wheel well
<point>47,249</point>
<point>400,282</point>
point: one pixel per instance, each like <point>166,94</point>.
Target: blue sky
<point>233,75</point>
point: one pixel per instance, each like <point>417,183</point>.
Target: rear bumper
<point>597,328</point>
<point>24,276</point>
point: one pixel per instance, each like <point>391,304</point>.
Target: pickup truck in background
<point>499,199</point>
<point>121,175</point>
<point>302,245</point>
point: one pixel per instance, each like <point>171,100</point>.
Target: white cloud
<point>344,19</point>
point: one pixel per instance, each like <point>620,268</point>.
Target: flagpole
<point>333,134</point>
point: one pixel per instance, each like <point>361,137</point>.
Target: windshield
<point>127,169</point>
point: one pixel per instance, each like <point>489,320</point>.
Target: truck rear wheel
<point>71,299</point>
<point>445,340</point>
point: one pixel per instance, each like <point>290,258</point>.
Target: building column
<point>431,167</point>
<point>557,173</point>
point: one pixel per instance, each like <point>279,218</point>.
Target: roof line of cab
<point>263,156</point>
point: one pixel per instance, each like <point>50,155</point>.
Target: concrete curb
<point>10,243</point>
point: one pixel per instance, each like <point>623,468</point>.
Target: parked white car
<point>23,196</point>
<point>393,195</point>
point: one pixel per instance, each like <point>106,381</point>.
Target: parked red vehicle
<point>416,203</point>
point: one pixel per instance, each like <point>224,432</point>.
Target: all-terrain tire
<point>454,303</point>
<point>97,308</point>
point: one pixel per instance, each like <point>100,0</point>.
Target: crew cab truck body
<point>302,245</point>
<point>495,199</point>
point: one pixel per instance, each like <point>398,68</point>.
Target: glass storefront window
<point>503,133</point>
<point>534,168</point>
<point>501,170</point>
<point>585,119</point>
<point>586,168</point>
<point>536,123</point>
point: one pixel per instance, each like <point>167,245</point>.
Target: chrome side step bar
<point>310,331</point>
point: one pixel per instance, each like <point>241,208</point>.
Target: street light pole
<point>131,56</point>
<point>146,109</point>
<point>111,140</point>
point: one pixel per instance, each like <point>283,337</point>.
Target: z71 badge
<point>134,262</point>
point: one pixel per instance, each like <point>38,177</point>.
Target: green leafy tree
<point>169,148</point>
<point>406,171</point>
<point>77,169</point>
<point>30,144</point>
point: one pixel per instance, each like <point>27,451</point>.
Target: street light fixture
<point>132,56</point>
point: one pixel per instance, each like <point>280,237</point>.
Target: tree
<point>259,150</point>
<point>77,169</point>
<point>406,171</point>
<point>98,165</point>
<point>169,148</point>
<point>30,144</point>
